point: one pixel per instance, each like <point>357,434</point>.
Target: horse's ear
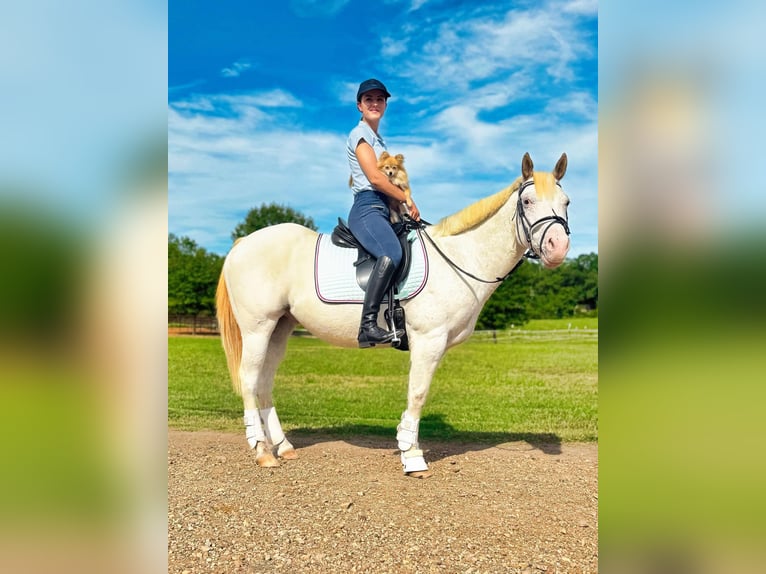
<point>526,166</point>
<point>561,167</point>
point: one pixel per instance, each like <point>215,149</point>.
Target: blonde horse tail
<point>231,337</point>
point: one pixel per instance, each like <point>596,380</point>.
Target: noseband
<point>528,227</point>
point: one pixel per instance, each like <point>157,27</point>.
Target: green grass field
<point>536,384</point>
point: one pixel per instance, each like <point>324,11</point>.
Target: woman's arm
<point>365,155</point>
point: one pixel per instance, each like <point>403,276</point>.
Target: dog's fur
<point>392,167</point>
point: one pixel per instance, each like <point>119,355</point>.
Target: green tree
<point>557,293</point>
<point>508,304</point>
<point>270,214</point>
<point>587,267</point>
<point>534,292</point>
<point>192,277</point>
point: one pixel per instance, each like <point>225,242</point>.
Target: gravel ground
<point>345,506</point>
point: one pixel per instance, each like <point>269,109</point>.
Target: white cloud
<point>417,4</point>
<point>456,53</point>
<point>575,103</point>
<point>236,69</point>
<point>392,47</point>
<point>187,86</point>
<point>585,7</point>
<point>242,153</point>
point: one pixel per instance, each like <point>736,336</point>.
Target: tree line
<point>531,292</point>
<point>534,292</point>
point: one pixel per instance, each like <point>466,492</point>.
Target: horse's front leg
<point>425,355</point>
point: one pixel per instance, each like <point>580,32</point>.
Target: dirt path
<point>347,507</point>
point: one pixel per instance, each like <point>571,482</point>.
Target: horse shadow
<point>440,439</point>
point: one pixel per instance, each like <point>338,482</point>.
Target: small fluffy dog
<point>393,168</point>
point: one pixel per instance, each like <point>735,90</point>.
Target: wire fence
<point>531,334</point>
<point>190,325</point>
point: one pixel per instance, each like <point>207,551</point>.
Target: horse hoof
<point>420,474</point>
<point>290,454</point>
<point>266,460</point>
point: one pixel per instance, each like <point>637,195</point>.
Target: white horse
<point>267,287</point>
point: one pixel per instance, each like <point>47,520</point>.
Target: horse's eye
<point>527,202</point>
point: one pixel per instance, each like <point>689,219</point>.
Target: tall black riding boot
<point>369,332</point>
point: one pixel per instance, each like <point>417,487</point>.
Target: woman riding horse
<point>369,218</point>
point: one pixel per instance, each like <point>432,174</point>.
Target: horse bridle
<point>527,227</point>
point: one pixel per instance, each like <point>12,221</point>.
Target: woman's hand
<point>414,212</point>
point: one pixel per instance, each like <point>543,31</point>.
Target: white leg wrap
<point>253,428</point>
<point>407,432</point>
<point>272,426</point>
<point>413,461</point>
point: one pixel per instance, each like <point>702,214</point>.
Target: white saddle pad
<point>335,274</point>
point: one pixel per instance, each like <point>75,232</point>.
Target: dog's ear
<point>384,155</point>
<point>400,158</point>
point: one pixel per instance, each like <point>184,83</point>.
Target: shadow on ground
<point>437,437</point>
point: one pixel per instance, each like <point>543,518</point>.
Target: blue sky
<point>261,97</point>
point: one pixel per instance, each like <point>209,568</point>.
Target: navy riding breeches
<point>369,222</point>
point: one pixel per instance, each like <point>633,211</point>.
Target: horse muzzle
<point>554,248</point>
<point>553,240</point>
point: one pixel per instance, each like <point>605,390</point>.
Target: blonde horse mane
<point>475,213</point>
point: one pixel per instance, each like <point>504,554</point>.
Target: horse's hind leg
<point>255,344</point>
<point>274,356</point>
<point>263,349</point>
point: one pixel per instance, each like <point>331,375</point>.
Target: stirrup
<point>396,340</point>
<point>390,336</point>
